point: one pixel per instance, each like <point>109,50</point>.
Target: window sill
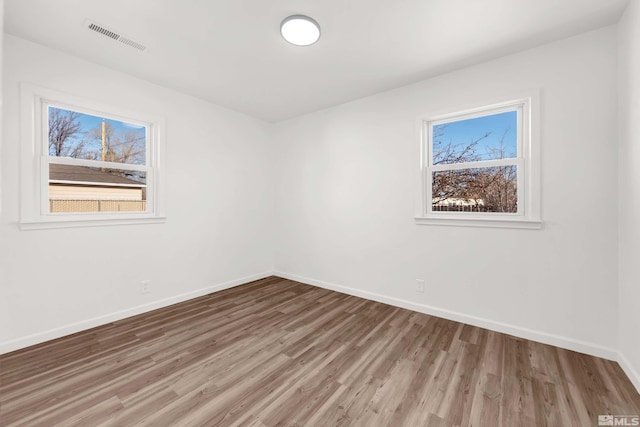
<point>482,223</point>
<point>67,222</point>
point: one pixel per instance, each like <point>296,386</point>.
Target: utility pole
<point>104,132</point>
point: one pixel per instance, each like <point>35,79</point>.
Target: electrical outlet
<point>420,285</point>
<point>145,286</point>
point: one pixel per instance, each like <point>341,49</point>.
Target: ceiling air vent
<point>115,36</point>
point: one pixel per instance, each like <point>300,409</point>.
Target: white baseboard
<point>542,337</point>
<point>628,369</point>
<point>40,337</point>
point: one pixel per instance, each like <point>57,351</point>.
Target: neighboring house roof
<point>82,175</point>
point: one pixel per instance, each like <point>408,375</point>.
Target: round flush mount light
<point>300,30</point>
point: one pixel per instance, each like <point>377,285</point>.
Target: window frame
<point>527,162</point>
<point>35,160</point>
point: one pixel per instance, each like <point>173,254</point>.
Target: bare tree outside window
<point>64,127</point>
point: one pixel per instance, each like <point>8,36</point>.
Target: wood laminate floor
<point>276,352</point>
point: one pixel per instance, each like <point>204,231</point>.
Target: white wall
<point>629,196</point>
<point>345,194</point>
<point>1,67</point>
<point>3,305</point>
<point>219,208</point>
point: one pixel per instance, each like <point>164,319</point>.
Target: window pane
<point>491,189</point>
<point>83,136</point>
<point>471,140</point>
<point>84,189</point>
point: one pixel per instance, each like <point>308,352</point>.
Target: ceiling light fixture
<point>300,30</point>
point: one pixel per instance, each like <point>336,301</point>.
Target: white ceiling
<point>230,51</point>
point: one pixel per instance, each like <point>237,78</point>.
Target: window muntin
<point>479,167</point>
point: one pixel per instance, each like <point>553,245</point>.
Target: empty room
<point>320,213</point>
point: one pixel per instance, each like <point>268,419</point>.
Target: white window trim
<point>527,160</point>
<point>34,177</point>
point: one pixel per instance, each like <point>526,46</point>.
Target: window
<point>479,167</point>
<point>87,164</point>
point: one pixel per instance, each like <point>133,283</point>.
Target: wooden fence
<point>57,206</point>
